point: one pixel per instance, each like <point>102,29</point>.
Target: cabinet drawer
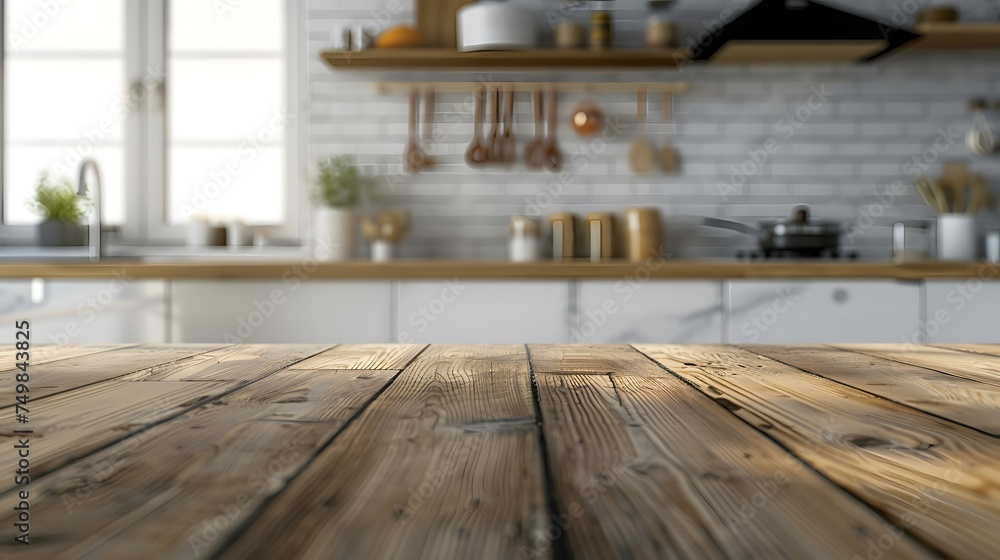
<point>481,312</point>
<point>623,312</point>
<point>117,310</point>
<point>962,310</point>
<point>783,312</point>
<point>313,311</point>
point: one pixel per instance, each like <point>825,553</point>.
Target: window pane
<point>39,26</point>
<point>227,184</point>
<point>65,80</point>
<point>226,106</point>
<point>59,98</point>
<point>252,25</point>
<point>223,100</point>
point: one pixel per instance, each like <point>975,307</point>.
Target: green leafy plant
<point>339,182</point>
<point>56,199</point>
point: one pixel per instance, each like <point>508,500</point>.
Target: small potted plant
<point>61,208</point>
<point>335,221</point>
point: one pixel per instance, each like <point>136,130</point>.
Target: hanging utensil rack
<point>562,87</point>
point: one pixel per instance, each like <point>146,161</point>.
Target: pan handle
<point>730,225</point>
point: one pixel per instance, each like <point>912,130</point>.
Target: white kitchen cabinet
<point>788,312</point>
<point>114,310</point>
<point>489,312</point>
<point>276,311</point>
<point>962,310</point>
<point>626,312</point>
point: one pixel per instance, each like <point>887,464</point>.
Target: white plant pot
<point>333,233</point>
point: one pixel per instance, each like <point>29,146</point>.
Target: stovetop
<point>790,255</point>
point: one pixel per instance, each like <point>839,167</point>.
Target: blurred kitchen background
<point>212,124</point>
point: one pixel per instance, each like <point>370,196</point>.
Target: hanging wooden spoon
<point>553,157</point>
<point>669,158</point>
<point>413,156</point>
<point>429,109</point>
<point>640,155</point>
<point>508,145</point>
<point>495,143</point>
<point>478,152</point>
<point>534,152</point>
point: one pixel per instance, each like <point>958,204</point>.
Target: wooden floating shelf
<point>951,36</point>
<point>434,58</point>
<point>937,36</point>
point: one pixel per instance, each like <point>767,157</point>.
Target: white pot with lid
<point>495,26</point>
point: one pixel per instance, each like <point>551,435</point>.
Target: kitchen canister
<point>525,240</point>
<point>600,227</point>
<point>956,237</point>
<point>563,235</point>
<point>644,235</point>
<point>570,35</point>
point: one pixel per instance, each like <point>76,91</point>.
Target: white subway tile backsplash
<point>840,153</point>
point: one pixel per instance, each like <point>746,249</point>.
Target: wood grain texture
<point>590,359</point>
<point>961,400</point>
<point>444,464</point>
<point>989,349</point>
<point>64,375</point>
<point>978,367</point>
<point>178,490</point>
<point>43,353</point>
<point>73,424</point>
<point>932,478</point>
<point>412,269</point>
<point>647,467</point>
<point>363,356</point>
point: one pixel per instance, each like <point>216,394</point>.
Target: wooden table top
<point>539,451</point>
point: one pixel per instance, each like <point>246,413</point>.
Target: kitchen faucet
<point>95,198</point>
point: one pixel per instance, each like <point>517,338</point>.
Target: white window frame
<point>146,127</point>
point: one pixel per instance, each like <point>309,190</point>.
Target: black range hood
<point>799,30</point>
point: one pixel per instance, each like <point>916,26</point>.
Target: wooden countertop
<point>416,269</point>
<point>539,451</point>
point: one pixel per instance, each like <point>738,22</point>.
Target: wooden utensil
<point>640,156</point>
<point>534,151</point>
<point>478,152</point>
<point>932,194</point>
<point>553,157</point>
<point>494,141</point>
<point>508,146</point>
<point>955,181</point>
<point>414,158</point>
<point>429,110</point>
<point>669,158</point>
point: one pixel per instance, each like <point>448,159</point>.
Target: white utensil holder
<point>957,237</point>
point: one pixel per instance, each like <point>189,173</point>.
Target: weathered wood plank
<point>988,349</point>
<point>934,479</point>
<point>961,400</point>
<point>73,424</point>
<point>64,375</point>
<point>569,359</point>
<point>244,362</point>
<point>646,467</point>
<point>444,464</point>
<point>179,489</point>
<point>978,367</point>
<point>42,353</point>
<point>364,356</point>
